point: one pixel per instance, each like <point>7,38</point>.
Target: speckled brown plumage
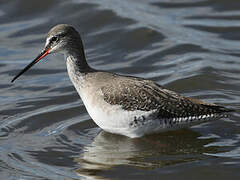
<point>140,94</point>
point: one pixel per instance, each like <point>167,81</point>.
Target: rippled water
<point>189,46</point>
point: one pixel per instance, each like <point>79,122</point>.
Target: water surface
<point>189,46</point>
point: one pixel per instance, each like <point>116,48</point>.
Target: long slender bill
<point>38,58</point>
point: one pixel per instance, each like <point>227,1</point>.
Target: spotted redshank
<point>125,105</point>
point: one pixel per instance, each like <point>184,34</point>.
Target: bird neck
<point>78,61</point>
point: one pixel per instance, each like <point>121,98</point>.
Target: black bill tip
<point>38,58</point>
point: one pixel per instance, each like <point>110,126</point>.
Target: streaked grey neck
<point>77,59</point>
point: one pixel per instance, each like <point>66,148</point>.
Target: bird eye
<point>54,38</point>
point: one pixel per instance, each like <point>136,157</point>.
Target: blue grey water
<point>189,46</point>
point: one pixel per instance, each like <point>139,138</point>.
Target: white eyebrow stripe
<point>47,41</point>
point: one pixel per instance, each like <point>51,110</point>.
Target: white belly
<point>113,119</point>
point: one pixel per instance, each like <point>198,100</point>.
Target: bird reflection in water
<point>109,150</point>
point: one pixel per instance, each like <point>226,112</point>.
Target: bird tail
<point>219,109</point>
